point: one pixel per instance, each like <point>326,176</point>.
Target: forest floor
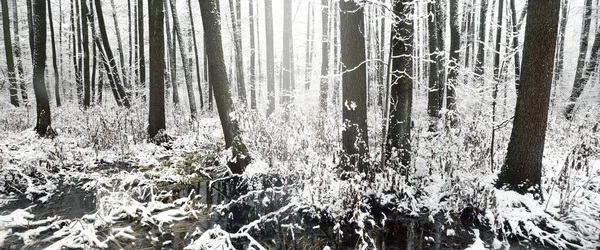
<point>99,184</point>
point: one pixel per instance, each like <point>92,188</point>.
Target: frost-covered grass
<point>143,198</point>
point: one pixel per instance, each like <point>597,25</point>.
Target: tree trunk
<point>156,37</point>
<point>43,123</point>
<point>270,57</point>
<point>30,26</point>
<point>80,82</point>
<point>171,43</point>
<point>515,43</point>
<point>309,44</point>
<point>109,60</point>
<point>198,79</point>
<point>86,56</point>
<point>588,72</point>
<point>479,63</point>
<point>186,65</point>
<point>454,58</point>
<point>120,46</point>
<point>14,98</point>
<point>398,136</point>
<point>237,39</point>
<point>583,49</point>
<point>54,56</point>
<point>287,79</point>
<point>355,138</point>
<point>522,169</point>
<point>324,83</point>
<point>433,96</point>
<point>142,55</point>
<point>19,74</point>
<point>210,10</point>
<point>92,21</point>
<point>252,56</point>
<point>561,41</point>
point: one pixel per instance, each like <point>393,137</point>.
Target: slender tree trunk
<point>433,96</point>
<point>355,138</point>
<point>586,75</point>
<point>80,82</point>
<point>287,23</point>
<point>479,63</point>
<point>239,60</point>
<point>109,63</point>
<point>142,53</point>
<point>583,50</point>
<point>398,136</point>
<point>515,43</point>
<point>130,68</point>
<point>196,55</point>
<point>120,46</point>
<point>252,56</point>
<point>86,56</point>
<point>54,56</point>
<point>30,26</point>
<point>171,43</point>
<point>94,58</point>
<point>522,170</point>
<point>19,74</point>
<point>270,57</point>
<point>156,37</point>
<point>441,46</point>
<point>324,83</point>
<point>561,41</point>
<point>43,123</point>
<point>186,65</point>
<point>14,98</point>
<point>210,10</point>
<point>76,67</point>
<point>309,53</point>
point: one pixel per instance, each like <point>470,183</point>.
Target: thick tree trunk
<point>156,37</point>
<point>43,123</point>
<point>211,20</point>
<point>198,79</point>
<point>324,82</point>
<point>454,58</point>
<point>522,169</point>
<point>398,137</point>
<point>10,63</point>
<point>355,138</point>
<point>185,62</point>
<point>581,62</point>
<point>54,56</point>
<point>270,57</point>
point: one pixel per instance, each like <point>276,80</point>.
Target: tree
<point>236,23</point>
<point>287,67</point>
<point>120,45</point>
<point>211,21</point>
<point>43,123</point>
<point>522,168</point>
<point>480,60</point>
<point>270,57</point>
<point>54,56</point>
<point>171,44</point>
<point>109,60</point>
<point>252,56</point>
<point>515,42</point>
<point>186,66</point>
<point>17,54</point>
<point>196,55</point>
<point>10,63</point>
<point>587,73</point>
<point>355,138</point>
<point>324,85</point>
<point>433,96</point>
<point>583,50</point>
<point>561,40</point>
<point>87,93</point>
<point>156,38</point>
<point>454,57</point>
<point>398,137</point>
<point>309,49</point>
<point>141,46</point>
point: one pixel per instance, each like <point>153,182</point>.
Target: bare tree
<point>324,85</point>
<point>43,123</point>
<point>10,63</point>
<point>270,57</point>
<point>198,79</point>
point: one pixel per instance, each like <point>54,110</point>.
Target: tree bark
<point>270,57</point>
<point>14,98</point>
<point>522,169</point>
<point>398,137</point>
<point>355,138</point>
<point>141,48</point>
<point>252,56</point>
<point>211,20</point>
<point>54,56</point>
<point>309,45</point>
<point>198,79</point>
<point>286,63</point>
<point>479,63</point>
<point>237,39</point>
<point>324,82</point>
<point>454,58</point>
<point>185,62</point>
<point>156,37</point>
<point>583,49</point>
<point>171,43</point>
<point>86,56</point>
<point>433,97</point>
<point>19,74</point>
<point>43,123</point>
<point>515,43</point>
